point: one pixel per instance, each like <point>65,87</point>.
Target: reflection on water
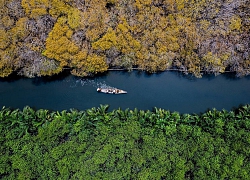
<point>169,90</point>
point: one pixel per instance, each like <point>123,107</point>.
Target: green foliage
<point>124,144</point>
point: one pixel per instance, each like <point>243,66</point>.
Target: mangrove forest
<point>124,144</point>
<point>43,37</point>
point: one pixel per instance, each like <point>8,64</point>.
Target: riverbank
<point>67,71</point>
<point>166,70</point>
<point>171,69</point>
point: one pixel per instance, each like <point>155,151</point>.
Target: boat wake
<point>93,83</point>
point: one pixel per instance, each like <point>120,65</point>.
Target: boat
<point>111,91</point>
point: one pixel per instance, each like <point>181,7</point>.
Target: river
<point>168,90</point>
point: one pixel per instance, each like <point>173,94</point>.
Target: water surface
<point>169,90</point>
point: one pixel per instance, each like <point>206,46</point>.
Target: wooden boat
<point>111,91</point>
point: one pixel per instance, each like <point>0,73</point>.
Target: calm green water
<point>168,90</point>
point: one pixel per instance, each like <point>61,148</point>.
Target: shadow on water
<point>11,78</point>
<point>138,74</point>
<point>182,75</point>
<point>37,80</point>
<point>49,79</point>
<point>209,76</point>
<point>144,74</point>
<point>179,74</point>
<point>155,74</point>
<point>247,77</point>
<point>231,76</point>
<point>237,109</point>
<point>227,75</point>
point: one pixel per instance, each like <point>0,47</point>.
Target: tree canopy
<point>124,144</point>
<point>42,37</point>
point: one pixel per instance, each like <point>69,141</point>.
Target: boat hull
<point>111,91</point>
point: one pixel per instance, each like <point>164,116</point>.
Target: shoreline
<point>128,70</point>
<point>113,69</point>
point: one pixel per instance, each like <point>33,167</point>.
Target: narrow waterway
<point>169,90</point>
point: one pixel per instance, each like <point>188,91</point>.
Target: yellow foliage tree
<point>214,63</point>
<point>59,8</point>
<point>19,31</point>
<point>74,18</point>
<point>127,43</point>
<point>56,8</point>
<point>35,8</point>
<point>10,43</point>
<point>141,4</point>
<point>122,40</point>
<point>91,64</point>
<point>7,21</point>
<point>107,41</point>
<point>94,19</point>
<point>158,38</point>
<point>4,39</point>
<point>235,23</point>
<point>60,47</point>
<point>6,67</point>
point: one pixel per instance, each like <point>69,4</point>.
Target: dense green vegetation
<point>41,37</point>
<point>124,144</point>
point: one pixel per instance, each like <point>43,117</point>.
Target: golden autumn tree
<point>10,44</point>
<point>36,8</point>
<point>60,44</point>
<point>122,40</point>
<point>214,63</point>
<point>158,37</point>
<point>107,41</point>
<point>90,64</point>
<point>13,31</point>
<point>94,19</point>
<point>60,47</point>
<point>188,40</point>
<point>235,23</point>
